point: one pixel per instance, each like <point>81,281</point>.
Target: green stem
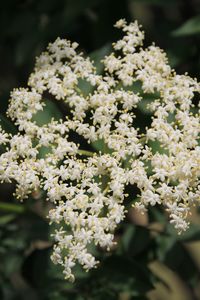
<point>9,207</point>
<point>85,152</point>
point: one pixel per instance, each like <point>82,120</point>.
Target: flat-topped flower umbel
<point>88,188</point>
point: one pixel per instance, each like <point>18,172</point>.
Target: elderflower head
<point>86,188</point>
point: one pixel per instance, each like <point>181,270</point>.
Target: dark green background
<point>145,257</point>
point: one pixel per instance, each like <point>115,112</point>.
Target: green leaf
<point>127,237</point>
<point>14,243</point>
<point>156,214</point>
<point>192,234</point>
<point>156,146</point>
<point>11,207</point>
<point>172,252</point>
<point>179,260</point>
<point>124,274</point>
<point>100,145</point>
<point>98,55</point>
<point>190,27</point>
<point>43,151</point>
<point>7,125</point>
<point>49,111</point>
<point>136,87</point>
<point>6,219</point>
<point>164,244</point>
<point>12,263</point>
<point>85,87</point>
<point>143,104</point>
<point>135,239</point>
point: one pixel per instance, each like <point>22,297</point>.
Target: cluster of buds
<point>87,189</point>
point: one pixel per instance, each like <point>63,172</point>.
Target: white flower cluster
<point>88,188</point>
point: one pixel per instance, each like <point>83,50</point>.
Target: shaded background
<point>151,261</point>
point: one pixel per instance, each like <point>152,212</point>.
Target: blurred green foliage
<point>150,261</point>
